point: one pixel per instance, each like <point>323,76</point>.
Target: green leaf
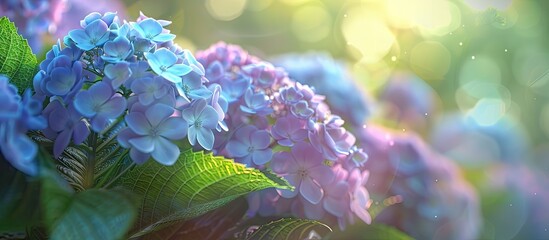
<point>197,183</point>
<point>290,228</point>
<point>17,199</point>
<point>369,232</point>
<point>212,225</point>
<point>90,214</point>
<point>96,214</point>
<point>16,58</point>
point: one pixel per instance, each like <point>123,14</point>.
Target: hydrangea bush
<point>282,125</point>
<point>434,201</point>
<point>423,192</point>
<point>134,120</point>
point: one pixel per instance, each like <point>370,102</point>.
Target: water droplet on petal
<point>461,43</point>
<point>473,57</point>
<point>393,58</point>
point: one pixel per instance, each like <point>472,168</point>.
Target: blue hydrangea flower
<point>250,146</point>
<point>153,133</point>
<point>64,124</point>
<point>16,117</point>
<point>164,63</point>
<point>117,50</point>
<point>139,69</point>
<point>150,89</point>
<point>289,95</point>
<point>289,130</point>
<point>331,139</point>
<point>263,74</point>
<point>301,110</point>
<point>220,104</point>
<point>108,18</point>
<point>215,71</point>
<point>117,73</point>
<point>304,169</point>
<point>332,79</point>
<point>93,35</point>
<point>233,89</point>
<point>191,87</point>
<point>151,29</point>
<point>61,77</point>
<point>190,60</point>
<point>256,103</point>
<point>100,104</point>
<point>201,118</point>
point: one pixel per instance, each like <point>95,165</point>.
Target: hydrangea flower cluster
<point>131,72</point>
<point>34,17</point>
<point>473,144</point>
<point>522,212</point>
<point>276,123</point>
<point>17,116</point>
<point>330,78</point>
<point>409,101</point>
<point>434,201</point>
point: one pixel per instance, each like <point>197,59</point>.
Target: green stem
<point>112,169</point>
<point>90,167</point>
<point>119,175</point>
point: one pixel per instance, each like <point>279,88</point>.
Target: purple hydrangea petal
<point>138,123</point>
<point>205,138</point>
<point>97,32</point>
<point>118,73</point>
<point>310,190</point>
<point>260,157</point>
<point>294,180</point>
<point>58,119</point>
<point>61,142</point>
<point>313,211</point>
<point>143,144</point>
<point>20,152</point>
<point>165,152</point>
<point>282,162</point>
<point>336,207</point>
<point>173,128</point>
<point>80,133</point>
<point>158,113</point>
<point>62,81</point>
<point>209,117</point>
<point>139,157</point>
<point>192,134</point>
<point>114,107</point>
<point>236,148</point>
<point>82,39</point>
<point>322,173</point>
<point>98,123</point>
<point>260,139</point>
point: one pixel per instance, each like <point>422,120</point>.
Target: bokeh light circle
<point>311,23</point>
<point>366,31</point>
<point>482,69</point>
<point>430,60</point>
<point>225,10</point>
